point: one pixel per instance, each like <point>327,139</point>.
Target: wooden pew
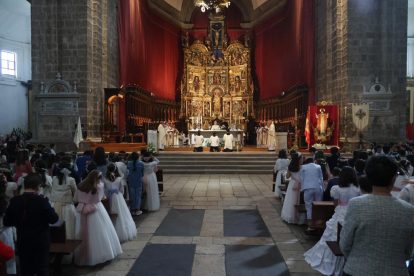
<point>60,246</point>
<point>160,180</point>
<point>334,245</point>
<point>301,208</point>
<point>322,211</point>
<point>105,203</point>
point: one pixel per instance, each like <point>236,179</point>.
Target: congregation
<point>39,187</point>
<point>373,196</point>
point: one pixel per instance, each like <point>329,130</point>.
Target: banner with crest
<point>360,115</point>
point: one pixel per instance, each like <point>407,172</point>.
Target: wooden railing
<point>282,108</point>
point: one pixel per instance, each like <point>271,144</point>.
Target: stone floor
<point>214,193</point>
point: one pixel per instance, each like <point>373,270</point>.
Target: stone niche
<point>56,112</point>
<point>379,99</point>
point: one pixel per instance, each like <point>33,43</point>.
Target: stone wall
<point>363,40</point>
<point>79,40</point>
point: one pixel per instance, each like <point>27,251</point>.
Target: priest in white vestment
<point>271,137</point>
<point>161,136</point>
<point>228,141</point>
<point>215,126</point>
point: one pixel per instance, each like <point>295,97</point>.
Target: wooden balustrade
<point>282,108</point>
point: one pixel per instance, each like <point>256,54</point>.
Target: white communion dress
<point>281,167</point>
<point>125,226</point>
<point>292,198</point>
<point>150,180</point>
<point>100,242</point>
<point>320,257</point>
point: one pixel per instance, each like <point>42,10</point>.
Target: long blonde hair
<point>89,185</point>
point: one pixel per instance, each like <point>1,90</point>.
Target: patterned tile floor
<point>214,193</point>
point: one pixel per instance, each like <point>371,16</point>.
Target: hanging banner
<point>360,115</point>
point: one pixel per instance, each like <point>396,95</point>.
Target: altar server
<point>214,143</point>
<point>199,139</point>
<point>271,137</point>
<point>228,141</point>
<point>161,136</point>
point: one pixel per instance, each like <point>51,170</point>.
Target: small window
<point>8,63</point>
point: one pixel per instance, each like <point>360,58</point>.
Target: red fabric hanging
<point>149,49</point>
<point>285,50</point>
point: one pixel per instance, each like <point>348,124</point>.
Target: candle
<point>346,112</point>
<point>296,112</point>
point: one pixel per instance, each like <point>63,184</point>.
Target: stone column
<point>356,42</point>
<point>78,39</point>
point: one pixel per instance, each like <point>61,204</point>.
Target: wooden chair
<point>60,246</point>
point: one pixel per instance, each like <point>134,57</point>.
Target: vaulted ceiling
<point>180,11</point>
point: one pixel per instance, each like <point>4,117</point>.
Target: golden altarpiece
<point>217,82</point>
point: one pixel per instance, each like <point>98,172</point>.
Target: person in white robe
<point>271,137</point>
<point>259,136</point>
<point>214,143</point>
<point>199,139</point>
<point>161,136</point>
<point>215,126</point>
<point>228,142</point>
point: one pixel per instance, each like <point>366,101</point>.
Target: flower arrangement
<point>151,148</point>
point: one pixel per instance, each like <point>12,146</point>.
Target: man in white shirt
<point>214,143</point>
<point>199,139</point>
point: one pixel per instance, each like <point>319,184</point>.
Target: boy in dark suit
<point>31,214</point>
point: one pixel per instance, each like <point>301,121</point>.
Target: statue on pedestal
<point>322,131</point>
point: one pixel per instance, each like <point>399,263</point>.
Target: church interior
<point>206,137</point>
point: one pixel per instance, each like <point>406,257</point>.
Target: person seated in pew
<point>281,167</point>
<point>360,167</point>
<point>377,237</point>
<point>325,171</point>
<point>114,189</point>
<point>31,214</point>
<point>320,257</point>
<point>289,213</point>
<point>364,186</point>
<point>312,184</point>
<point>331,182</point>
<point>94,227</point>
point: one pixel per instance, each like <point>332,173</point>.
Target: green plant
<point>208,144</point>
<point>221,144</point>
<point>151,148</point>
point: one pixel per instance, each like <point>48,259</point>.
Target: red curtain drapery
<point>149,51</point>
<point>285,50</point>
<point>333,111</point>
